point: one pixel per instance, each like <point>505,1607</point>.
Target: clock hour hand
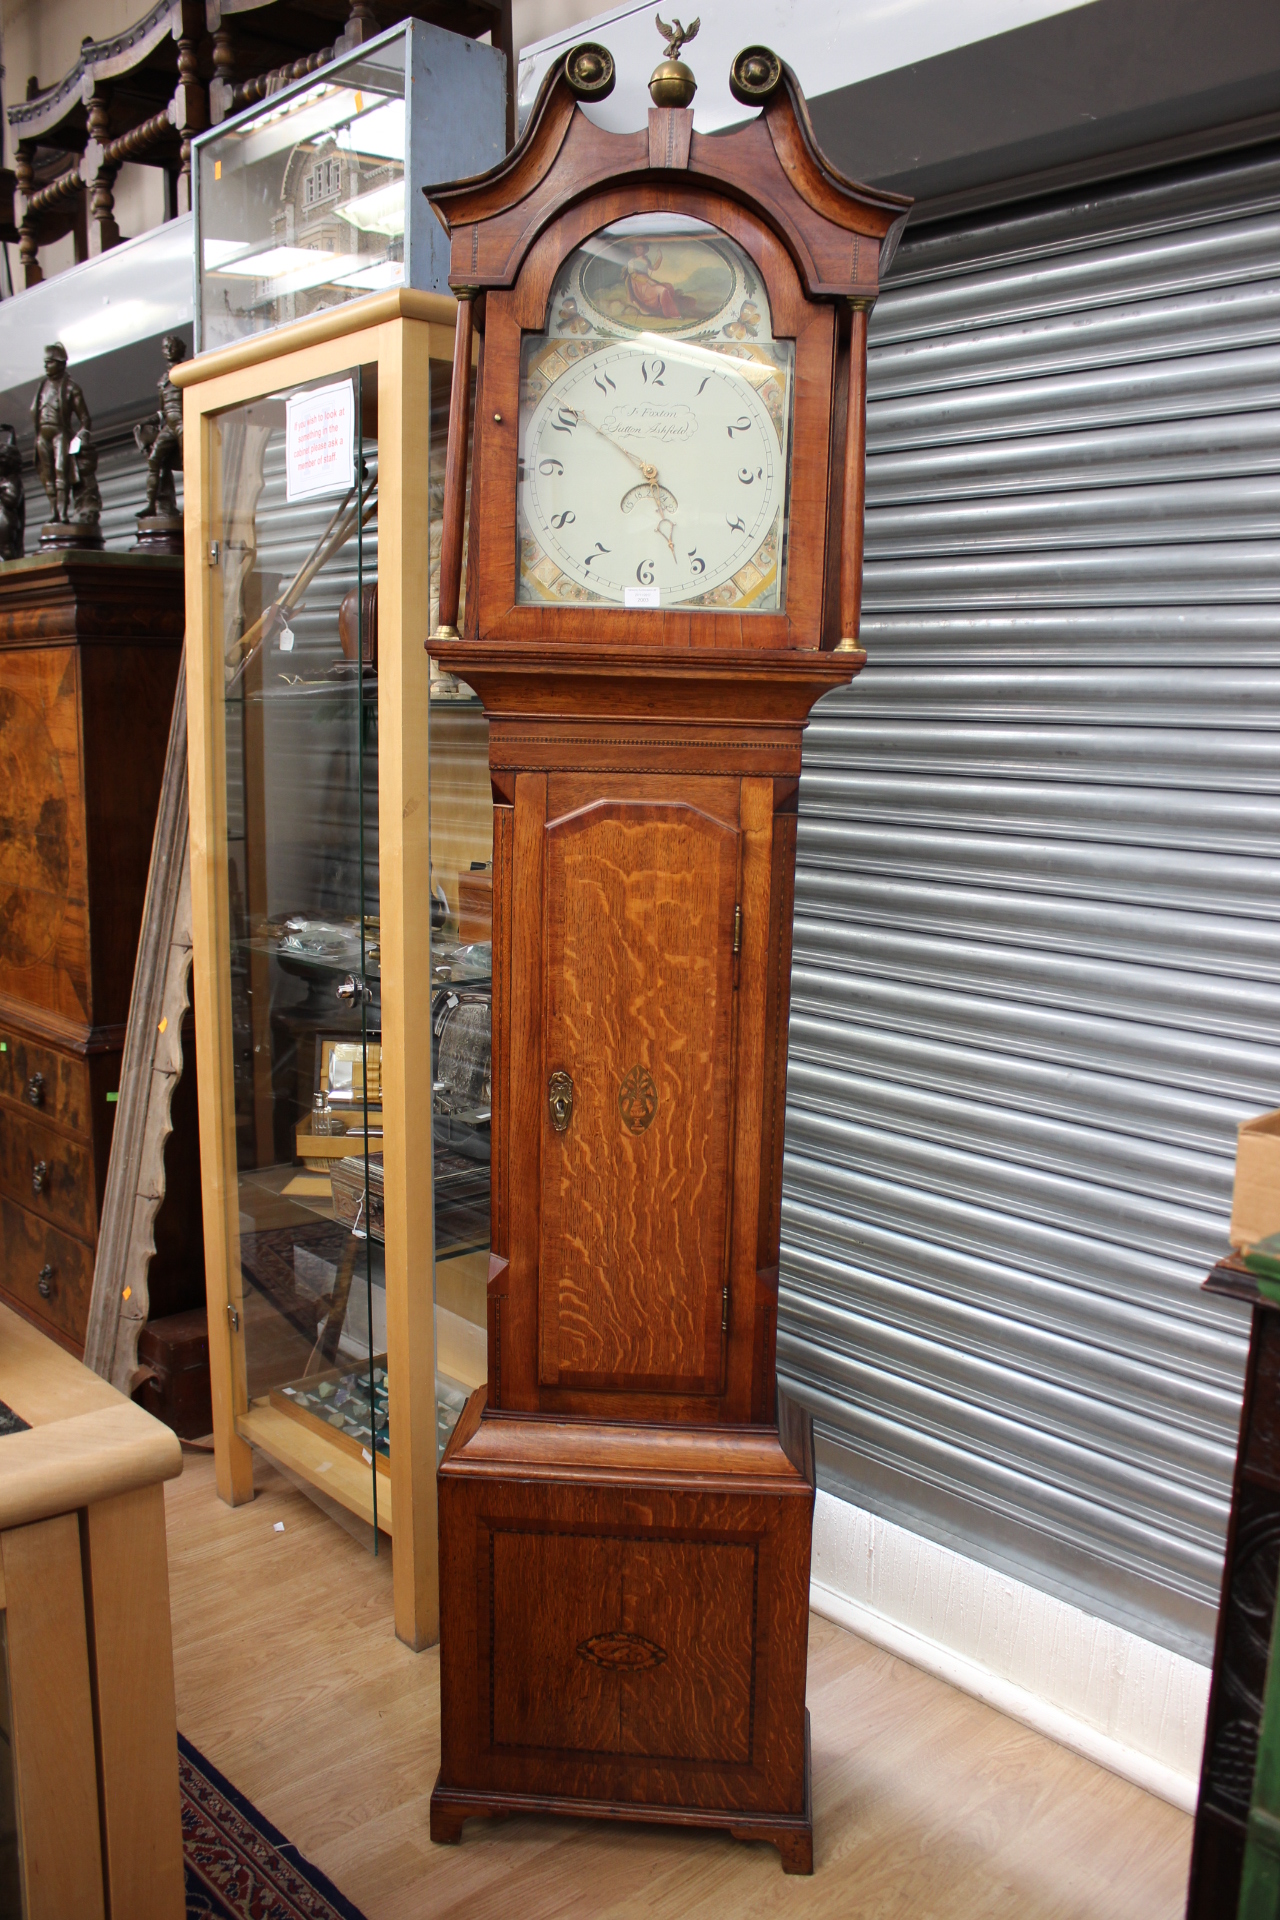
<point>666,525</point>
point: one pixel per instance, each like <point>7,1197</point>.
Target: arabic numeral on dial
<point>748,478</point>
<point>600,548</point>
<point>550,466</point>
<point>739,426</point>
<point>651,372</point>
<point>735,526</point>
<point>565,421</point>
<point>564,519</point>
<point>605,384</point>
<point>696,562</point>
<point>705,378</point>
<point>644,573</point>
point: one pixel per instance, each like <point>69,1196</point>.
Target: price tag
<point>641,597</point>
<point>319,445</point>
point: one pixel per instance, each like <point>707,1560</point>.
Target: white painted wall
<point>1132,1707</point>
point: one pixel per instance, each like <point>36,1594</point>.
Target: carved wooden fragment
<point>150,1069</point>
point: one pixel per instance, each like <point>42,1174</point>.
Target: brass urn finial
<point>672,83</point>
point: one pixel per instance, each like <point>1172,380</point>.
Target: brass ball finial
<point>755,76</point>
<point>672,83</point>
<point>588,68</point>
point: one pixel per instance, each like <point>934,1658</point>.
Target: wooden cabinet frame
<point>409,337</point>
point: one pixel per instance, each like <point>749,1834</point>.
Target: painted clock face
<point>653,464</point>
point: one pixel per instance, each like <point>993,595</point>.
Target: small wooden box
<point>475,904</point>
<point>1255,1206</point>
<point>346,1177</point>
<point>178,1391</point>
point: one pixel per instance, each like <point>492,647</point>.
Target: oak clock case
<point>672,372</point>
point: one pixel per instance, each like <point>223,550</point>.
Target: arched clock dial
<point>652,475</point>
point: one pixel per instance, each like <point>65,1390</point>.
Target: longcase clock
<point>663,572</point>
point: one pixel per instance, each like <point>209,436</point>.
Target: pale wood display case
<point>403,344</point>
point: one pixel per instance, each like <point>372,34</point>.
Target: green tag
<point>4,1046</point>
<point>111,1097</point>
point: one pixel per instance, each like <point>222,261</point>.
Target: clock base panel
<point>624,1623</point>
<point>791,1835</point>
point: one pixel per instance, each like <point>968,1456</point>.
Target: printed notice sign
<point>641,597</point>
<point>319,437</point>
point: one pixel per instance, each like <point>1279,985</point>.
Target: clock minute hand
<point>666,526</point>
<point>650,472</point>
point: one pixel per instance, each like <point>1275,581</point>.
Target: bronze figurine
<point>13,506</point>
<point>65,458</point>
<point>160,438</point>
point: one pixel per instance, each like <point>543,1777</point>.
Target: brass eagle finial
<point>672,83</point>
<point>677,36</point>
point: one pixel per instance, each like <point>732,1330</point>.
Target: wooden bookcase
<point>397,348</point>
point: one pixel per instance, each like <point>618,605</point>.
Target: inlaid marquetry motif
<point>637,1099</point>
<point>622,1652</point>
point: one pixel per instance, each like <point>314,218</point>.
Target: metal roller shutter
<point>1036,980</point>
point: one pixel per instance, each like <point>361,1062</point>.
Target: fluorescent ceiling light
<point>271,263</point>
<point>379,211</point>
<point>318,111</point>
<point>292,269</point>
<point>326,110</point>
<point>328,267</point>
<point>378,133</point>
<point>376,278</point>
<point>219,253</point>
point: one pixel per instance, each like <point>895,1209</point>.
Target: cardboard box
<point>1255,1206</point>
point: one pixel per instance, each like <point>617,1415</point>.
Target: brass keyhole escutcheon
<point>637,1098</point>
<point>560,1099</point>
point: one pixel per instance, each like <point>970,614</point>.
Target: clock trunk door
<point>638,1036</point>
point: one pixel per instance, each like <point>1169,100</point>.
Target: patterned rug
<point>237,1866</point>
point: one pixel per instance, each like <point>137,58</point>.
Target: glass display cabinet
<point>341,836</point>
<point>301,202</point>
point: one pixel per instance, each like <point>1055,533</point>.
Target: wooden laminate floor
<point>926,1802</point>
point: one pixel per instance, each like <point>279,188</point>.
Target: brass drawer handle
<point>44,1285</point>
<point>35,1090</point>
<point>39,1174</point>
<point>560,1100</point>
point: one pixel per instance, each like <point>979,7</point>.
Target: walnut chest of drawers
<point>89,652</point>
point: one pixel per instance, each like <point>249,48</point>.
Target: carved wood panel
<point>639,909</point>
<point>628,1646</point>
<point>1241,1675</point>
<point>44,931</point>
